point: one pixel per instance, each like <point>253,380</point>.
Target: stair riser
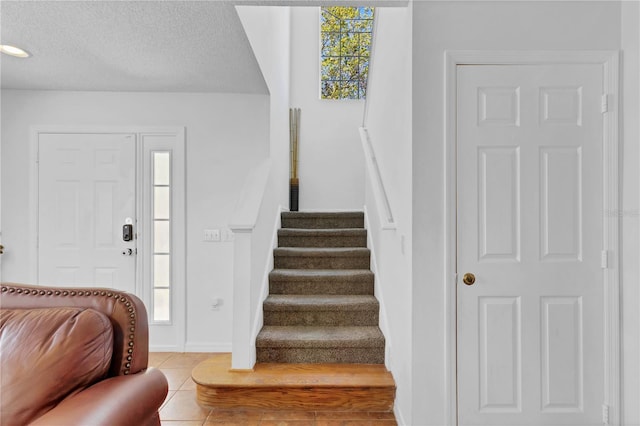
<point>314,287</point>
<point>322,318</point>
<point>322,355</point>
<point>336,222</point>
<point>308,398</point>
<point>322,262</point>
<point>322,241</point>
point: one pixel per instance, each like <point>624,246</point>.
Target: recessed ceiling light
<point>14,51</point>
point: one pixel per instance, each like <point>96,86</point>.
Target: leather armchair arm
<point>119,401</point>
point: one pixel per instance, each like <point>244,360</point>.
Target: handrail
<point>382,201</point>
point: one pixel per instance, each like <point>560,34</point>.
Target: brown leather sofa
<point>76,356</point>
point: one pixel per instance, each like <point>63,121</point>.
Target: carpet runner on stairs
<point>321,307</point>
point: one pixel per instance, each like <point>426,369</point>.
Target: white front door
<point>530,228</point>
<point>86,195</point>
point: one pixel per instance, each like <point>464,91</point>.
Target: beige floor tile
<point>287,423</point>
<point>185,360</point>
<point>389,422</point>
<point>157,358</point>
<point>233,417</point>
<point>183,406</point>
<point>188,384</point>
<point>181,423</point>
<point>219,415</point>
<point>169,395</point>
<point>176,376</point>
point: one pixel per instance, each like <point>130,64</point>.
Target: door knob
<point>1,249</point>
<point>468,278</point>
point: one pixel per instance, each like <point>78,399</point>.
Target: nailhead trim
<point>126,364</point>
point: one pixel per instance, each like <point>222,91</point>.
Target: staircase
<point>320,348</point>
<point>321,307</point>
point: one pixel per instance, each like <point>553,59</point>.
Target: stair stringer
<point>264,285</point>
<point>383,322</point>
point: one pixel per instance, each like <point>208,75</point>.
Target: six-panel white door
<point>530,204</point>
<point>86,194</point>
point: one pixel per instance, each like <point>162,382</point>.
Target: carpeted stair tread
<point>321,281</point>
<point>321,258</point>
<point>313,302</point>
<point>321,310</point>
<point>301,237</point>
<point>320,337</point>
<point>322,220</point>
<point>321,274</point>
<point>321,251</point>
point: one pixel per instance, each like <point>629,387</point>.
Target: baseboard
<point>399,419</point>
<point>163,348</point>
<point>215,347</point>
<point>264,288</point>
<point>384,324</point>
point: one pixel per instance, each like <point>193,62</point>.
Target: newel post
<point>243,350</point>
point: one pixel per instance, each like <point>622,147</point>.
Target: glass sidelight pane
<point>161,168</point>
<point>161,239</point>
<point>161,270</point>
<point>161,202</point>
<point>161,307</point>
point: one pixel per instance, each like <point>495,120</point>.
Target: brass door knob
<point>468,278</point>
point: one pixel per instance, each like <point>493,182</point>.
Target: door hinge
<point>605,414</point>
<point>604,259</point>
<point>605,104</point>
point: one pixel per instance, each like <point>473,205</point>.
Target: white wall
<point>226,135</point>
<point>479,25</point>
<point>331,167</point>
<point>388,121</point>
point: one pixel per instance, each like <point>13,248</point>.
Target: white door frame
<point>138,131</point>
<point>610,61</point>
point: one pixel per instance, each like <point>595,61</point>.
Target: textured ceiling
<point>176,46</point>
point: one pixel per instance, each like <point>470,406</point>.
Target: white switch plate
<point>211,235</point>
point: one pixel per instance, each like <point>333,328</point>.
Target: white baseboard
<point>215,347</point>
<point>163,348</point>
<point>399,419</point>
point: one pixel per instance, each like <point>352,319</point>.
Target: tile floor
<point>180,407</point>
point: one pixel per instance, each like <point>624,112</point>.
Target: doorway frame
<point>610,62</point>
<point>180,243</point>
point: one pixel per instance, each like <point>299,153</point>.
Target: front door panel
<point>86,196</point>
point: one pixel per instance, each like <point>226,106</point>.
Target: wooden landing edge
<point>340,387</point>
<point>302,398</point>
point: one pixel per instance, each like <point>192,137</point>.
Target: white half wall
<point>226,136</point>
<point>268,30</point>
<point>331,166</point>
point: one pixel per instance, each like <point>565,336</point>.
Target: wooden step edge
<point>217,372</point>
<point>304,398</point>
